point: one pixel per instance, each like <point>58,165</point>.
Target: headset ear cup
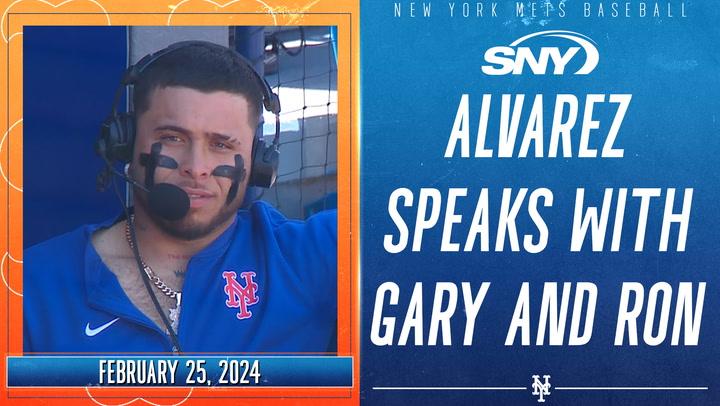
<point>106,146</point>
<point>128,137</point>
<point>265,163</point>
<point>101,143</point>
<point>272,160</point>
<point>117,135</point>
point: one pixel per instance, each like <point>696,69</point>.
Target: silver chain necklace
<point>174,313</point>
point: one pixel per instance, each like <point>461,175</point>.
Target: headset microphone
<point>167,201</point>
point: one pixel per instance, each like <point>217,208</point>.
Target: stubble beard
<point>187,229</point>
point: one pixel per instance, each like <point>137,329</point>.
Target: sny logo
<point>240,296</point>
<point>504,60</point>
<point>539,388</point>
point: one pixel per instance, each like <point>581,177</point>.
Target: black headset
<point>117,133</point>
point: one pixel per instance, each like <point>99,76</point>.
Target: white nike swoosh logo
<point>91,332</point>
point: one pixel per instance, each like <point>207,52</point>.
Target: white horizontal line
<point>631,388</point>
<point>449,388</point>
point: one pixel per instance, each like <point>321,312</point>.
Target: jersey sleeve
<point>311,247</point>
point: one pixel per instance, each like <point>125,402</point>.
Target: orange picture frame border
<point>19,13</point>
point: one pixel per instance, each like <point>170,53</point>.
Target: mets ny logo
<point>239,296</point>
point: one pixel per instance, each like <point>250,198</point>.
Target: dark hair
<point>206,67</point>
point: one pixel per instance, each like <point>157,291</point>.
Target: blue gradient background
<point>274,371</point>
<point>414,71</point>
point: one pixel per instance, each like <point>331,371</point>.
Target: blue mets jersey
<point>267,284</point>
